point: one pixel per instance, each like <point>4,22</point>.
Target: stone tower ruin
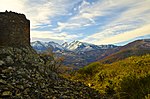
<point>14,29</point>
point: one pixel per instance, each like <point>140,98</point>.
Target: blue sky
<point>93,21</point>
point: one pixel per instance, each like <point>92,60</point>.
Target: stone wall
<point>14,29</point>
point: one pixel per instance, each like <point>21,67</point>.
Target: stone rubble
<point>22,76</point>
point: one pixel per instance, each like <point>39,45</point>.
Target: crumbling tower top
<point>14,29</point>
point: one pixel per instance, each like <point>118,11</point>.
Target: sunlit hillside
<point>126,79</point>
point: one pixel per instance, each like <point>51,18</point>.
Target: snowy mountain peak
<point>42,46</point>
<point>65,44</point>
<point>36,43</point>
<point>75,46</point>
<point>78,46</point>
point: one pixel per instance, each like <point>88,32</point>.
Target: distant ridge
<point>135,48</point>
<point>43,46</point>
<point>75,46</point>
<point>80,54</point>
<point>78,46</point>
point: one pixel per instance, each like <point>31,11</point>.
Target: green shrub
<point>135,87</point>
<point>91,69</point>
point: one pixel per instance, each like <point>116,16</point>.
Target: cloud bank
<point>93,21</point>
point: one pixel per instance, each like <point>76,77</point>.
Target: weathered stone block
<point>14,29</point>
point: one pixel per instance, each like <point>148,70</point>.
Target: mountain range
<point>75,46</point>
<point>75,53</point>
<point>79,54</point>
<point>43,46</point>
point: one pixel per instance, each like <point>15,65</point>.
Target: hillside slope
<point>126,79</point>
<point>24,74</point>
<point>136,48</point>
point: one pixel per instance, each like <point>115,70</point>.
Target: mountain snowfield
<point>43,46</point>
<point>80,46</point>
<point>75,46</point>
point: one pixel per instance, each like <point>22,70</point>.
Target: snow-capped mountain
<point>75,46</point>
<point>65,45</point>
<point>76,53</point>
<point>78,46</point>
<point>38,46</point>
<point>42,46</point>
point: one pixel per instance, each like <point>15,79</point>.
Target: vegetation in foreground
<point>125,79</point>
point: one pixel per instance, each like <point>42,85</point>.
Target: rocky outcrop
<point>14,29</point>
<point>23,75</point>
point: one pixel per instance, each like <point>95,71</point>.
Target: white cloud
<point>101,8</point>
<point>145,30</point>
<point>22,6</point>
<point>16,5</point>
<point>107,32</point>
<point>39,12</point>
<point>76,21</point>
<point>138,11</point>
<point>88,12</point>
<point>133,17</point>
<point>124,16</point>
<point>66,26</point>
<point>43,13</point>
<point>53,36</point>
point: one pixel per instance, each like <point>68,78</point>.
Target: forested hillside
<point>126,79</point>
